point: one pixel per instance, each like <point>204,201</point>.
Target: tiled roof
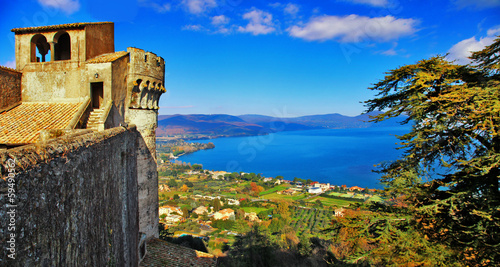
<point>9,69</point>
<point>161,253</point>
<point>108,57</point>
<point>56,27</point>
<point>22,124</point>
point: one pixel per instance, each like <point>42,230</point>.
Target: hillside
<point>213,125</point>
<point>228,125</point>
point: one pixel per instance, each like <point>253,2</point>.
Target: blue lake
<point>337,156</point>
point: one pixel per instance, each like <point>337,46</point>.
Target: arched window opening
<point>40,49</point>
<point>62,46</point>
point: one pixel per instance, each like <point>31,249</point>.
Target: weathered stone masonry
<point>76,201</point>
<point>90,199</point>
<point>10,86</point>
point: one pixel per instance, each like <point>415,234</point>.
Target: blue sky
<point>278,58</point>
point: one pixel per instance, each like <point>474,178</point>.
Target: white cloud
<point>195,27</point>
<point>480,4</point>
<point>68,6</point>
<point>288,9</point>
<point>390,52</point>
<point>376,3</point>
<point>220,20</point>
<point>260,22</point>
<point>199,6</point>
<point>160,8</point>
<point>10,64</point>
<point>291,9</point>
<point>354,28</point>
<point>461,51</point>
<point>494,31</point>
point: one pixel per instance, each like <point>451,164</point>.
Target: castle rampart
<point>75,201</point>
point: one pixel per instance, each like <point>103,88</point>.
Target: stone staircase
<point>95,119</point>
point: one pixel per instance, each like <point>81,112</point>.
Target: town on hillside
<point>213,209</point>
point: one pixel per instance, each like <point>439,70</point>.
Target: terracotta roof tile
<point>22,124</point>
<point>161,253</point>
<point>108,57</point>
<point>56,27</point>
<point>9,69</point>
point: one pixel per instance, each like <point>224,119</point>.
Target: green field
<point>312,220</point>
<point>347,195</point>
<point>331,201</point>
<point>375,199</point>
<point>276,196</point>
<point>274,189</point>
<point>253,209</point>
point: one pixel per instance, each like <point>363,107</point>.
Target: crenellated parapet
<point>147,78</point>
<point>146,93</point>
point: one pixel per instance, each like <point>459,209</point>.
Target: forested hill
<point>228,125</point>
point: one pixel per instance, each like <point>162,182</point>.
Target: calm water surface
<point>339,156</point>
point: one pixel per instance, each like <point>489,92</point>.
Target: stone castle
<point>77,148</point>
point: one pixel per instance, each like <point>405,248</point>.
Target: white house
<point>169,210</point>
<point>224,214</point>
<point>315,190</point>
<point>201,210</point>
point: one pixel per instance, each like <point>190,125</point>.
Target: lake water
<point>337,156</point>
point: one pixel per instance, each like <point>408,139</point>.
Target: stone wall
<point>71,201</point>
<point>147,174</point>
<point>10,88</point>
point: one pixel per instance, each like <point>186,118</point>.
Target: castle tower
<point>145,83</point>
<point>74,69</point>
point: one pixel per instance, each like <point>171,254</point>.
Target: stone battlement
<point>74,200</point>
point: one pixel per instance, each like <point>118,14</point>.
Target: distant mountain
<point>228,125</point>
<point>327,121</point>
<point>213,125</point>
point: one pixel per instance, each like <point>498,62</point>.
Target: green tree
<point>197,167</point>
<point>455,115</point>
<point>252,249</point>
<point>216,204</point>
<point>283,209</point>
<point>172,183</point>
<point>185,212</point>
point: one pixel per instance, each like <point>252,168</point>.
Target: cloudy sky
<point>279,58</point>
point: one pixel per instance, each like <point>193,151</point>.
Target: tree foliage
<point>449,171</point>
<point>384,238</point>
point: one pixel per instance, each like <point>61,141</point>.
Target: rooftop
<point>108,57</point>
<point>8,69</point>
<point>57,27</point>
<point>22,124</point>
<point>161,253</point>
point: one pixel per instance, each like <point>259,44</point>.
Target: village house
<point>201,210</point>
<point>164,187</point>
<point>216,174</point>
<point>353,188</point>
<point>289,191</point>
<point>169,210</point>
<point>252,216</point>
<point>173,219</point>
<point>315,190</point>
<point>267,179</point>
<point>225,214</point>
<point>172,214</point>
<point>233,202</point>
